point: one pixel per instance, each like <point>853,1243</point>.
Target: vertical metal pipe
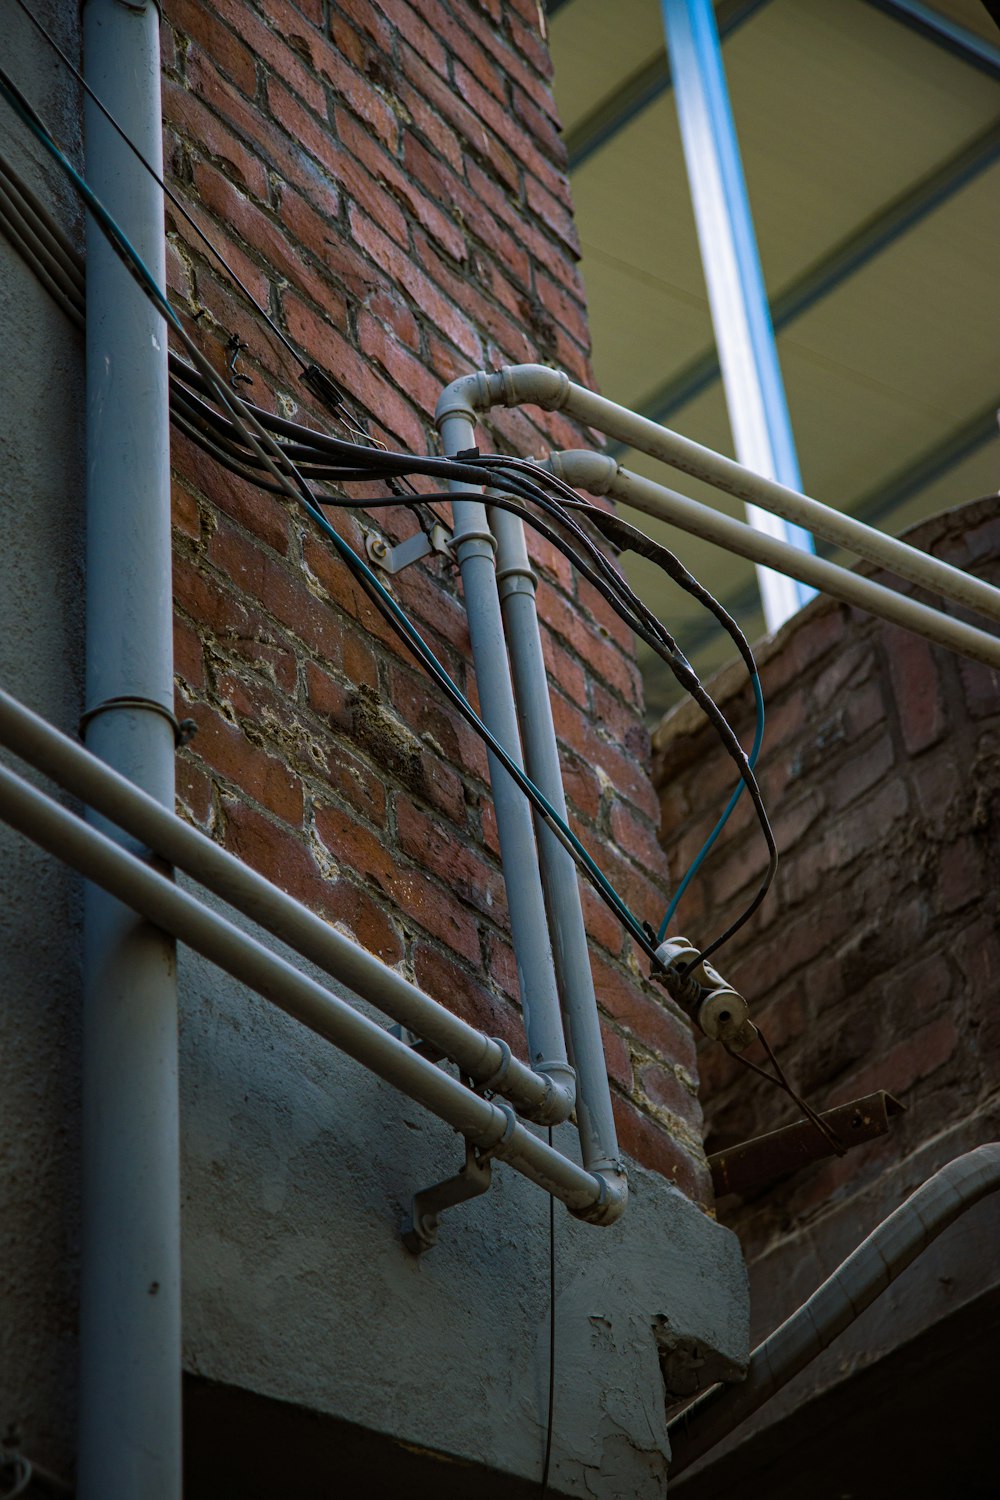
<point>741,317</point>
<point>474,549</point>
<point>130,1434</point>
<point>516,579</point>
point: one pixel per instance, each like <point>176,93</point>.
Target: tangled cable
<point>288,458</point>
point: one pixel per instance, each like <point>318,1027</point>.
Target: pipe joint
<point>613,1198</point>
<point>516,580</point>
<point>535,384</point>
<point>594,472</point>
<point>559,1100</point>
<point>473,541</point>
<point>465,397</point>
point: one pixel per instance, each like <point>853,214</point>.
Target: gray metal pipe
<point>130,1320</point>
<point>603,476</point>
<point>551,389</point>
<point>516,580</point>
<point>474,548</point>
<point>864,1275</point>
<point>486,1060</point>
<point>488,1126</point>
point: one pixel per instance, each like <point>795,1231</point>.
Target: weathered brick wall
<point>874,962</point>
<point>388,181</point>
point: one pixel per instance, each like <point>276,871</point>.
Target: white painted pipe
<point>486,1060</point>
<point>458,409</point>
<point>518,385</point>
<point>865,1274</point>
<point>488,1126</point>
<point>474,549</point>
<point>603,476</point>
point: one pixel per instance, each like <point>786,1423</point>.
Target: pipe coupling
<point>594,472</point>
<point>537,384</point>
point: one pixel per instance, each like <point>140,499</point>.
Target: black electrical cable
<point>635,613</point>
<point>386,465</point>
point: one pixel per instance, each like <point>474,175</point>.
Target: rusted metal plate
<point>755,1164</point>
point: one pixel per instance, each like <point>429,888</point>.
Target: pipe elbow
<point>613,1199</point>
<point>467,397</point>
<point>584,470</point>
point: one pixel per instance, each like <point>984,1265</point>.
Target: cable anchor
<point>392,560</point>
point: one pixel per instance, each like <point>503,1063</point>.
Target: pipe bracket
<point>184,729</point>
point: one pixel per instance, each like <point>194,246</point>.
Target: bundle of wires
<point>290,459</point>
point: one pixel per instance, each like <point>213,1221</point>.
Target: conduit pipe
<point>490,1127</point>
<point>516,580</point>
<point>486,1060</point>
<point>865,1274</point>
<point>519,385</point>
<point>601,475</point>
<point>474,549</point>
<point>130,1315</point>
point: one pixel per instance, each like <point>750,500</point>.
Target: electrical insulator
<point>702,993</point>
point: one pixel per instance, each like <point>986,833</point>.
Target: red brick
<point>445,316</point>
<point>219,46</point>
<point>961,875</point>
<point>917,1057</point>
<point>448,854</point>
<point>184,515</point>
<point>193,792</point>
<point>214,139</point>
<point>366,390</point>
<point>363,852</point>
<point>651,1146</point>
<point>617,1057</point>
<point>367,922</point>
<point>665,1090</point>
<point>263,777</point>
<point>264,237</point>
<point>461,991</point>
<point>634,1007</point>
<point>919,704</point>
<point>188,663</point>
<point>443,97</point>
<point>272,50</point>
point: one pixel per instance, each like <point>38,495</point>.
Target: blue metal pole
<point>755,393</point>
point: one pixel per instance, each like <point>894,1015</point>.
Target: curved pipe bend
<point>866,1273</point>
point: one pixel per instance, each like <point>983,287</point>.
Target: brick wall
<point>874,962</point>
<point>388,181</point>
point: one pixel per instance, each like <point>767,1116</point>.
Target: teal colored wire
<point>356,564</point>
<point>112,229</point>
<point>706,847</point>
<point>561,829</point>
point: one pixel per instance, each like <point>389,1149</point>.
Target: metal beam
<point>943,32</point>
<point>643,88</point>
<point>849,256</point>
<point>751,373</point>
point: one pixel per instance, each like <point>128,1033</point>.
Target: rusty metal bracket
<point>757,1163</point>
